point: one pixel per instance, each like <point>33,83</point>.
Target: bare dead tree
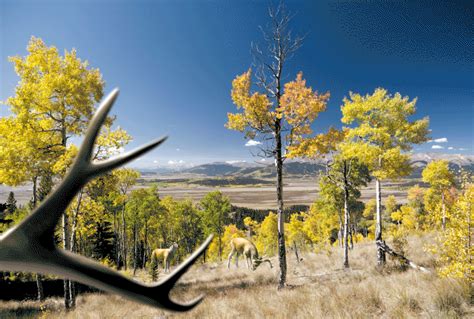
<point>279,46</point>
<point>386,249</point>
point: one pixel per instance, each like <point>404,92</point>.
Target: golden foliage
<point>299,107</point>
<point>266,240</point>
<point>383,131</point>
<point>318,145</point>
<point>455,246</point>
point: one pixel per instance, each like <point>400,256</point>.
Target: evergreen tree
<point>45,186</point>
<point>102,241</point>
<point>11,204</point>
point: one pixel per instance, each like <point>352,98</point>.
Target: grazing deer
<point>30,247</point>
<point>242,246</point>
<point>164,254</point>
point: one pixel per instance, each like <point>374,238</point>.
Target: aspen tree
<point>381,134</point>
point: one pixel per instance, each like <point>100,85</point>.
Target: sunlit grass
<point>318,288</point>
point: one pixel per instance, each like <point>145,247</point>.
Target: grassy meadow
<point>318,287</point>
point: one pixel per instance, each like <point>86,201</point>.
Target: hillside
<point>299,168</point>
<point>317,288</point>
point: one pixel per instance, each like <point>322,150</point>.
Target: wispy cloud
<point>439,140</point>
<point>437,147</point>
<point>180,162</point>
<point>457,149</point>
<point>236,161</point>
<point>252,143</point>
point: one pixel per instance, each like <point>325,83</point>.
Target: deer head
<point>30,246</point>
<point>259,260</point>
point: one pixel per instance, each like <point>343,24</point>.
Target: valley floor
<point>318,287</point>
<point>297,191</point>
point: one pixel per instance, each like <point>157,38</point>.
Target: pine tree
<point>102,241</point>
<point>11,204</point>
<point>45,186</point>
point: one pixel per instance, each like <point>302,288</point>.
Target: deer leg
<point>237,260</point>
<point>230,258</point>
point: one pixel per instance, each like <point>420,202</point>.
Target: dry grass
<point>318,288</point>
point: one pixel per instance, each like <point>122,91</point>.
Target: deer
<point>165,254</point>
<point>243,246</point>
<point>30,247</point>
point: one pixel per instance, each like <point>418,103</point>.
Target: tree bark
<point>135,248</point>
<point>124,239</point>
<point>296,252</point>
<point>351,236</point>
<point>281,216</point>
<point>72,293</point>
<point>145,248</point>
<point>443,205</point>
<point>117,243</point>
<point>72,248</point>
<point>378,227</point>
<point>67,291</point>
<point>35,192</point>
<point>39,283</point>
<point>39,288</point>
<point>346,217</point>
<point>72,243</point>
<point>340,232</point>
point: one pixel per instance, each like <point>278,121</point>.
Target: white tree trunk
<point>378,226</point>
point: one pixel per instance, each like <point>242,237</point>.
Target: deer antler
<point>30,246</point>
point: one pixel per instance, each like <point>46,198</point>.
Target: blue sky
<point>174,62</point>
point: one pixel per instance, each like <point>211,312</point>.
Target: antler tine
<point>169,282</point>
<point>108,165</point>
<point>30,245</point>
<point>87,146</point>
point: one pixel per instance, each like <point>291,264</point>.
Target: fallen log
<point>383,246</point>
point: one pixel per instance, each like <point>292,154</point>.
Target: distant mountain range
<point>297,167</point>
